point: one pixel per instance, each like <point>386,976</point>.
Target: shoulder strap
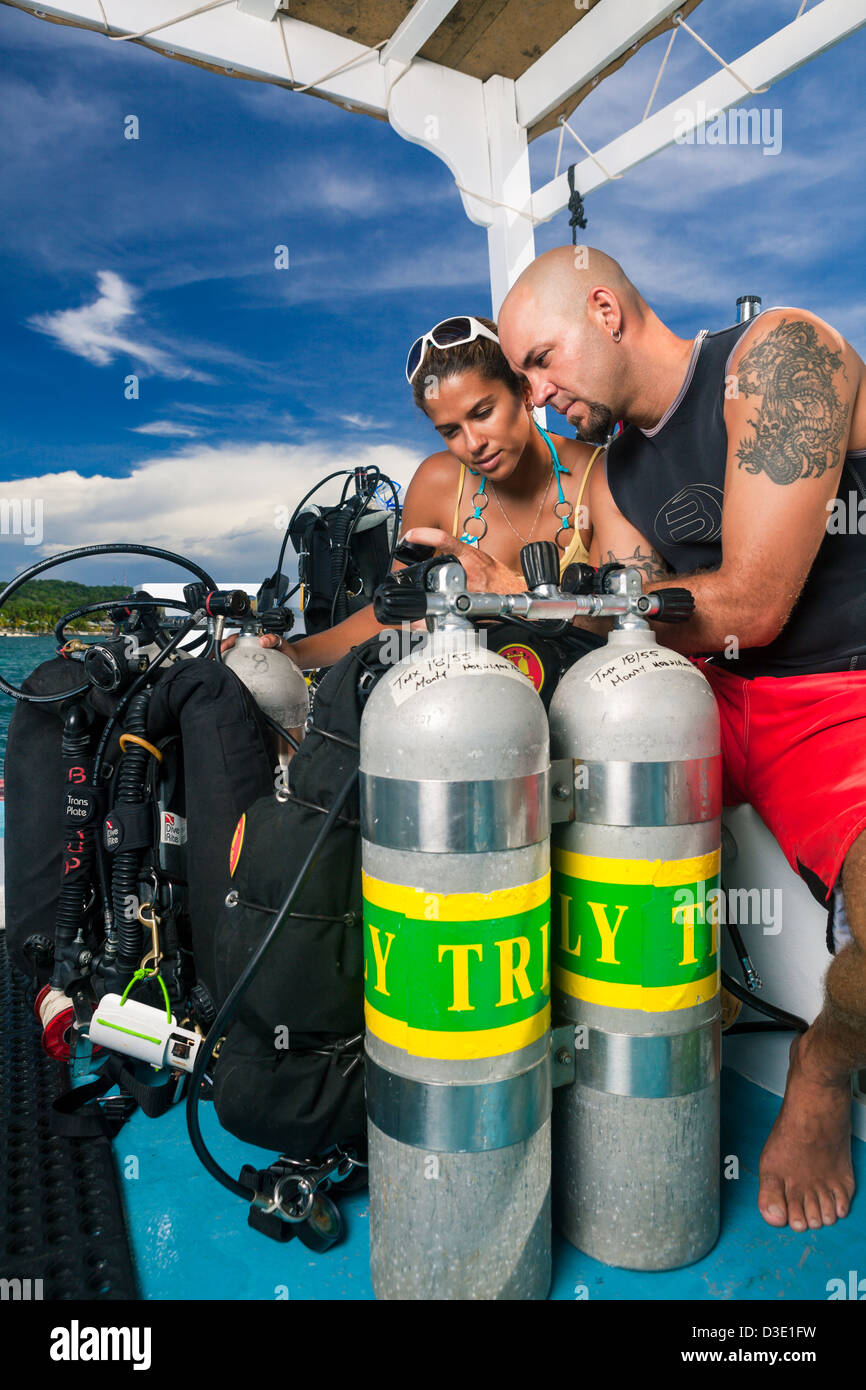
<point>576,546</point>
<point>456,521</point>
<point>585,478</point>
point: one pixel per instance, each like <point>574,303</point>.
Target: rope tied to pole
<point>575,207</point>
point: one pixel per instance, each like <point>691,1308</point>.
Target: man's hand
<point>484,575</point>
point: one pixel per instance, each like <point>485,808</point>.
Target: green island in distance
<point>39,603</point>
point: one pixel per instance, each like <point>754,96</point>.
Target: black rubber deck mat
<point>63,1219</point>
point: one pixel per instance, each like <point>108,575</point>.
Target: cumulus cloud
<point>105,329</point>
<point>225,507</point>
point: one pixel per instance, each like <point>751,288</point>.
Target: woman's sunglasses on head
<point>447,334</point>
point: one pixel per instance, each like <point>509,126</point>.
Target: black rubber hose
<point>343,527</point>
<point>122,548</point>
<point>278,728</point>
<point>86,608</point>
<point>131,791</point>
<point>781,1016</point>
<point>78,844</point>
<point>340,473</point>
<point>227,1012</point>
<point>138,684</point>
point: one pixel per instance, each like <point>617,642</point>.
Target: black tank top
<point>669,482</point>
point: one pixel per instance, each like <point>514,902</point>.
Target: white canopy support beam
<point>813,33</point>
<point>510,236</point>
<point>604,33</point>
<point>240,45</point>
<point>422,20</point>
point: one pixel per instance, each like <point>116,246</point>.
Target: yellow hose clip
<point>126,739</point>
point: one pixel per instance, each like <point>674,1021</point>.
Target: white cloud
<point>94,331</point>
<point>362,422</point>
<point>224,507</point>
<point>167,429</point>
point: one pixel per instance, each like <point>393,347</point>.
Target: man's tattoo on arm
<point>800,424</point>
<point>652,566</point>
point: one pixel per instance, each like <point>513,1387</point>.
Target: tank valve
<point>540,564</point>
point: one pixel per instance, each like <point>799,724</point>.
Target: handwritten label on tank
<point>421,673</point>
<point>644,662</point>
<point>636,933</point>
<point>457,975</point>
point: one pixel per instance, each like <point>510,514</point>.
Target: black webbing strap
<point>78,1114</point>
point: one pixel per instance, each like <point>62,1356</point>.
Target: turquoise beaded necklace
<point>480,499</point>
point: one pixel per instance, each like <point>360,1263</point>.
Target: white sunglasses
<point>447,334</point>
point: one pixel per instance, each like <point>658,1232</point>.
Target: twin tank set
<point>541,945</point>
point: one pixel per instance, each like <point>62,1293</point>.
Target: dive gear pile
<point>394,868</point>
<point>344,551</point>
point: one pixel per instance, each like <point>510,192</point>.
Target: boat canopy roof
<point>473,81</point>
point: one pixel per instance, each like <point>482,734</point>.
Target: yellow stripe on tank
<point>483,1042</point>
<point>421,905</point>
<point>663,872</point>
<point>650,998</point>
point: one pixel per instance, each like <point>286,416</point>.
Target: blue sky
<point>155,256</point>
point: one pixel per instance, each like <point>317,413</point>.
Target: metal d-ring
<point>468,522</point>
<point>303,1185</point>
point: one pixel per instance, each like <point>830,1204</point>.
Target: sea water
<point>18,657</point>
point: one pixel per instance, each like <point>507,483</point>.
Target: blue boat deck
<point>190,1239</point>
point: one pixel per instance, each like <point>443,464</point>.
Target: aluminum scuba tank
<point>274,680</point>
<point>455,851</point>
<point>634,943</point>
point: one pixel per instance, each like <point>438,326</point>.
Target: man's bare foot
<point>806,1177</point>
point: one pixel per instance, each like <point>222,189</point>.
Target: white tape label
<point>420,673</point>
<point>629,665</point>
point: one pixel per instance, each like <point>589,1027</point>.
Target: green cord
<point>149,975</point>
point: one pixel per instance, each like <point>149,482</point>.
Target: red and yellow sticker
<point>237,845</point>
<point>526,661</point>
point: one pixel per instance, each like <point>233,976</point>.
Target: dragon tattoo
<point>800,423</point>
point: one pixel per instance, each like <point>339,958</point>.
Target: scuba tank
<point>455,854</point>
<point>635,746</point>
<point>459,1143</point>
<point>272,678</point>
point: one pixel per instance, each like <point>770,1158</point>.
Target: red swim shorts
<point>794,747</point>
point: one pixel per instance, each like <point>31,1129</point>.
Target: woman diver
<point>536,482</point>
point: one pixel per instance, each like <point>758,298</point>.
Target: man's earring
<point>617,335</point>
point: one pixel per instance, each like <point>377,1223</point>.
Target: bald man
<point>740,472</point>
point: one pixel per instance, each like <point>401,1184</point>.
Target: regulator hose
<point>96,776</point>
<point>343,527</point>
<point>82,552</point>
<point>78,841</point>
<point>240,988</point>
<point>779,1016</point>
<point>131,790</point>
<point>87,608</point>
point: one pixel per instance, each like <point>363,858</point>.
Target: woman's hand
<point>484,575</point>
<point>267,639</point>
